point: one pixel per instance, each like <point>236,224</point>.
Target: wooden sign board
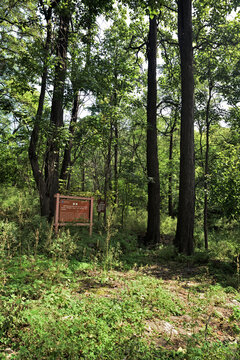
<point>73,210</point>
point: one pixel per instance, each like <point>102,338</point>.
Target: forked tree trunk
<point>153,225</point>
<point>67,162</point>
<point>32,150</point>
<point>47,183</point>
<point>185,225</point>
<point>56,117</point>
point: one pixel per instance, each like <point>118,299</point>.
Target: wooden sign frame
<point>87,213</point>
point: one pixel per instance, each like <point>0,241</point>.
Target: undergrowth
<point>71,296</point>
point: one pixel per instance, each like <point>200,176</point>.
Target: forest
<point>136,105</point>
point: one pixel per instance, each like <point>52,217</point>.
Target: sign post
<point>101,207</point>
<point>73,210</point>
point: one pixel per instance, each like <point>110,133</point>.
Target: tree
<point>81,68</point>
<point>185,225</point>
<point>47,178</point>
<point>32,151</point>
<point>115,78</point>
<point>48,184</point>
<point>20,36</point>
<point>168,112</point>
<point>224,200</point>
<point>214,59</point>
<point>153,225</point>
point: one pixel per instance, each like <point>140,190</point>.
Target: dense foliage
<point>100,143</point>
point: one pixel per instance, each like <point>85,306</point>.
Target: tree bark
<point>67,152</point>
<point>32,150</point>
<point>153,225</point>
<point>56,116</point>
<point>65,172</point>
<point>185,225</point>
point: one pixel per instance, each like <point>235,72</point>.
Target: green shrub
<point>8,238</point>
<point>136,221</point>
<point>168,225</point>
<point>62,246</point>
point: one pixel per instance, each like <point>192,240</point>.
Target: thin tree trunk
<point>170,201</point>
<point>185,225</point>
<point>116,142</point>
<point>206,172</point>
<point>83,176</point>
<point>69,180</point>
<point>170,194</point>
<point>205,223</point>
<point>153,225</point>
<point>200,144</point>
<point>116,139</point>
<point>108,170</point>
<point>65,172</point>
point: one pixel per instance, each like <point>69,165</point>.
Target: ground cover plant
<point>70,297</point>
<point>53,310</point>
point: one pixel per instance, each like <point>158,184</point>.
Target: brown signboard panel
<point>74,210</point>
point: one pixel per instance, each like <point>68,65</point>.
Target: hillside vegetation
<point>69,297</point>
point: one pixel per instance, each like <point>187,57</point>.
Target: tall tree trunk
<point>153,225</point>
<point>116,139</point>
<point>200,129</point>
<point>185,225</point>
<point>108,169</point>
<point>67,152</point>
<point>83,176</point>
<point>32,150</point>
<point>65,171</point>
<point>170,193</point>
<point>56,116</point>
<point>206,171</point>
<point>170,201</point>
